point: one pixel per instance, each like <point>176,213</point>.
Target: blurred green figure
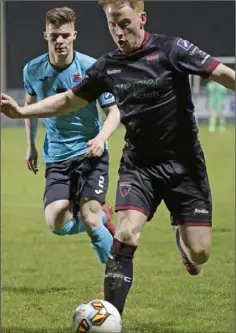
<point>216,97</point>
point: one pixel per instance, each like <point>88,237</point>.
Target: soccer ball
<point>96,316</point>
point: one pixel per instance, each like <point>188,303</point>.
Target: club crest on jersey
<point>125,189</point>
<point>76,77</point>
<point>185,44</point>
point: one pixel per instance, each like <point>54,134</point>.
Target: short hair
<point>60,15</point>
<point>137,5</point>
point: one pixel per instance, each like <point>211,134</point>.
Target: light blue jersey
<point>67,135</point>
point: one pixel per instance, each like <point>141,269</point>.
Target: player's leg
<point>222,121</point>
<point>135,204</point>
<point>61,209</point>
<point>212,122</point>
<point>100,236</point>
<point>58,207</point>
<point>93,195</point>
<point>195,240</point>
<point>59,218</point>
<point>189,201</point>
<point>106,216</point>
<point>119,268</point>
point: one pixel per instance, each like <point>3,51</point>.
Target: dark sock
<point>119,274</point>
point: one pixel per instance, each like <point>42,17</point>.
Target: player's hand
<point>10,107</point>
<point>32,159</point>
<point>96,146</point>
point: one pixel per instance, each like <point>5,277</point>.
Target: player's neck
<point>143,37</point>
<point>61,61</point>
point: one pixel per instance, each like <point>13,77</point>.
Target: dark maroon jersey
<point>152,91</point>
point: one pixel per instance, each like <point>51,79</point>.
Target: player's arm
<point>111,123</point>
<point>188,58</point>
<point>225,76</point>
<point>55,105</point>
<point>87,91</point>
<point>108,104</point>
<point>31,126</point>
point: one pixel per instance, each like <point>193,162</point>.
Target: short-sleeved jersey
<point>66,135</point>
<point>152,91</point>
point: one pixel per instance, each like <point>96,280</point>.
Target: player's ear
<point>143,19</point>
<point>45,35</point>
<point>75,34</point>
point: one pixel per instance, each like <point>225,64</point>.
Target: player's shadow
<point>32,290</point>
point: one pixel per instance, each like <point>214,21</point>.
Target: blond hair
<point>137,5</point>
<point>59,16</point>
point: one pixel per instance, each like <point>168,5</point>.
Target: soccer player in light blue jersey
<point>76,185</point>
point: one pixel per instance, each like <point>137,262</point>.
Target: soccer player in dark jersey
<point>162,158</point>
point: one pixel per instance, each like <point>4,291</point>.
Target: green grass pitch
<point>44,277</point>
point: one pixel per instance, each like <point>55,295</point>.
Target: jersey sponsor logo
<point>125,189</point>
<point>141,89</point>
<point>185,44</point>
<point>76,77</point>
<point>107,96</point>
<point>113,71</point>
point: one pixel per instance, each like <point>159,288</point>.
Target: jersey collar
<point>59,69</point>
<point>145,40</point>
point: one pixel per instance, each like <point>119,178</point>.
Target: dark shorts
<point>184,187</point>
<point>76,178</point>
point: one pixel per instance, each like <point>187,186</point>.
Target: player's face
<point>126,27</point>
<point>60,39</point>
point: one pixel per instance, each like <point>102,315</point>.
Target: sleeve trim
<point>215,63</point>
<point>80,94</point>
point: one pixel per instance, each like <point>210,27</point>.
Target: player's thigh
<point>58,213</point>
<point>57,195</point>
<point>96,179</point>
<point>135,191</point>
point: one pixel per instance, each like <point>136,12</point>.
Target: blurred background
<point>208,24</point>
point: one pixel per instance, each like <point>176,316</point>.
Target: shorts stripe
<point>132,207</point>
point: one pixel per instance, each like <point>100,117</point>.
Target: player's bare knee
<point>90,212</point>
<point>200,253</point>
<point>57,213</point>
<point>127,231</point>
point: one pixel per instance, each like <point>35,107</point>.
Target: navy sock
<point>119,274</point>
